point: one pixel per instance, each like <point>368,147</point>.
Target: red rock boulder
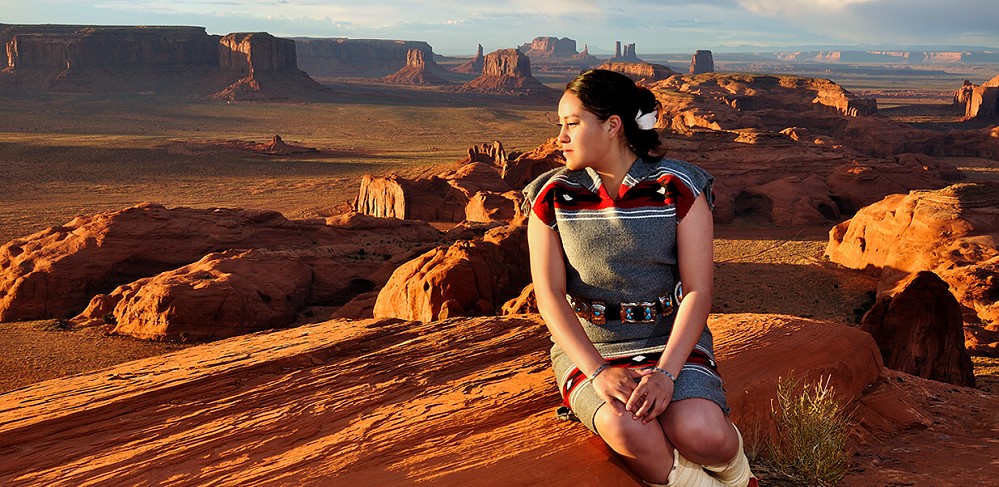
<point>949,231</point>
<point>468,278</point>
<point>222,295</point>
<point>918,328</point>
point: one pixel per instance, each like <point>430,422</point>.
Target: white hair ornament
<point>647,121</point>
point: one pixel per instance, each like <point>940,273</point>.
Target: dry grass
<point>809,446</point>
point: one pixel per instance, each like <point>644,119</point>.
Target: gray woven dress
<point>624,250</point>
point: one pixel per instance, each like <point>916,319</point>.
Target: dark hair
<point>605,93</point>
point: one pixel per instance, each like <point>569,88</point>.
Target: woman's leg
<point>643,447</point>
<point>701,431</point>
<point>648,453</point>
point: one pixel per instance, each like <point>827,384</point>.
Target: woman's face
<point>586,141</point>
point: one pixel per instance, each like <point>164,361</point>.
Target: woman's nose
<point>563,135</point>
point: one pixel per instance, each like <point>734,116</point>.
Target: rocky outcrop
<point>56,272</point>
<point>523,168</point>
<point>641,71</point>
<point>293,396</point>
<point>159,59</point>
<point>476,191</point>
<point>553,50</point>
<point>222,295</point>
<point>356,58</point>
<point>467,278</point>
<point>418,71</point>
<point>702,62</point>
<point>474,66</point>
<point>506,71</point>
<point>918,328</point>
<point>81,47</point>
<point>267,67</point>
<point>948,231</point>
<point>979,102</point>
<point>625,55</point>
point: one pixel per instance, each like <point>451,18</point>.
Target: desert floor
<point>64,155</point>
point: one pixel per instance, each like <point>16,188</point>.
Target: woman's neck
<point>612,173</point>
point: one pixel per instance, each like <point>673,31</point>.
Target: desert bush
<point>811,430</point>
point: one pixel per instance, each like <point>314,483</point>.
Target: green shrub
<point>809,444</point>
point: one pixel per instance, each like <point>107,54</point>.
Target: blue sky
<point>664,26</point>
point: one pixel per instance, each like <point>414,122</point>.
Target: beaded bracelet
<point>671,378</point>
<point>599,370</point>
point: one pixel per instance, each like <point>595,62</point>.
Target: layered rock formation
<point>445,197</point>
<point>418,71</point>
<point>83,47</point>
<point>552,50</point>
<point>626,55</point>
<point>267,67</point>
<point>477,408</point>
<point>467,278</point>
<point>158,256</point>
<point>474,66</point>
<point>356,58</point>
<point>733,102</point>
<point>505,71</point>
<point>702,62</point>
<point>918,328</point>
<point>639,71</point>
<point>949,231</point>
<point>981,102</point>
<point>160,59</point>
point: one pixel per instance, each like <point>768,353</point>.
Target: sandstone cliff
<point>702,62</point>
<point>267,68</point>
<point>506,71</point>
<point>418,71</point>
<point>639,71</point>
<point>474,66</point>
<point>949,231</point>
<point>553,50</point>
<point>355,58</point>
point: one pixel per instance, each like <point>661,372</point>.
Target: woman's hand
<point>615,385</point>
<point>651,396</point>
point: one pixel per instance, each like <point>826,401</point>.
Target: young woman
<point>612,235</point>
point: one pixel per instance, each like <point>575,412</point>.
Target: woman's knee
<point>625,435</point>
<point>701,434</point>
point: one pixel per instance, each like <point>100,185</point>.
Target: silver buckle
<point>634,313</point>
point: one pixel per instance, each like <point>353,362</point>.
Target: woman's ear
<point>614,125</point>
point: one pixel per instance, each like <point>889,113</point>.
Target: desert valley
<point>247,259</point>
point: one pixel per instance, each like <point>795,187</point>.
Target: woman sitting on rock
<point>611,236</point>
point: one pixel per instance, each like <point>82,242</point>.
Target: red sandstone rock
<point>791,201</point>
<point>356,58</point>
<point>506,70</point>
<point>54,273</point>
<point>640,71</point>
<point>702,62</point>
<point>474,66</point>
<point>527,166</point>
<point>479,389</point>
<point>468,278</point>
<point>418,71</point>
<point>917,325</point>
<point>527,302</point>
<point>222,295</point>
<point>948,231</point>
<point>267,66</point>
<point>441,198</point>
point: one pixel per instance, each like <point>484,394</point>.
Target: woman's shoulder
<point>546,180</point>
<point>679,167</point>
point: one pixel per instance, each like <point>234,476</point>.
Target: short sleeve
<point>687,181</point>
<point>539,197</point>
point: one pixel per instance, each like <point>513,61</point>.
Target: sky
<point>456,27</point>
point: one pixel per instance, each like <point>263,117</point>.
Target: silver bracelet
<point>599,370</point>
<point>671,378</point>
